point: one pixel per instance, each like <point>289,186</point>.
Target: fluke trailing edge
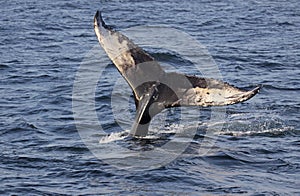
<point>153,88</point>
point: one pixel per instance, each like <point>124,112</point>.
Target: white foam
<point>276,131</point>
<point>113,137</point>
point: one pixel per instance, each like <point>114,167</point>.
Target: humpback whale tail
<point>153,88</point>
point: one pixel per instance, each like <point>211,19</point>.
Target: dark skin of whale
<point>154,89</point>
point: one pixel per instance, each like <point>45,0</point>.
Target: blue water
<point>255,151</point>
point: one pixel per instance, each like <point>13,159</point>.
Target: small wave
<point>273,65</point>
<point>24,124</point>
<point>2,66</point>
<point>285,23</point>
<point>279,88</point>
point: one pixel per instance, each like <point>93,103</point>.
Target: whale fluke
<point>153,88</point>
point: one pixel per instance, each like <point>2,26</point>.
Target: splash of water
<point>245,125</point>
<point>114,137</point>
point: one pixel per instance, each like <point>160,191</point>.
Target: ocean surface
<point>65,109</point>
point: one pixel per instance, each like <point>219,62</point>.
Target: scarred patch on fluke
<point>153,88</point>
